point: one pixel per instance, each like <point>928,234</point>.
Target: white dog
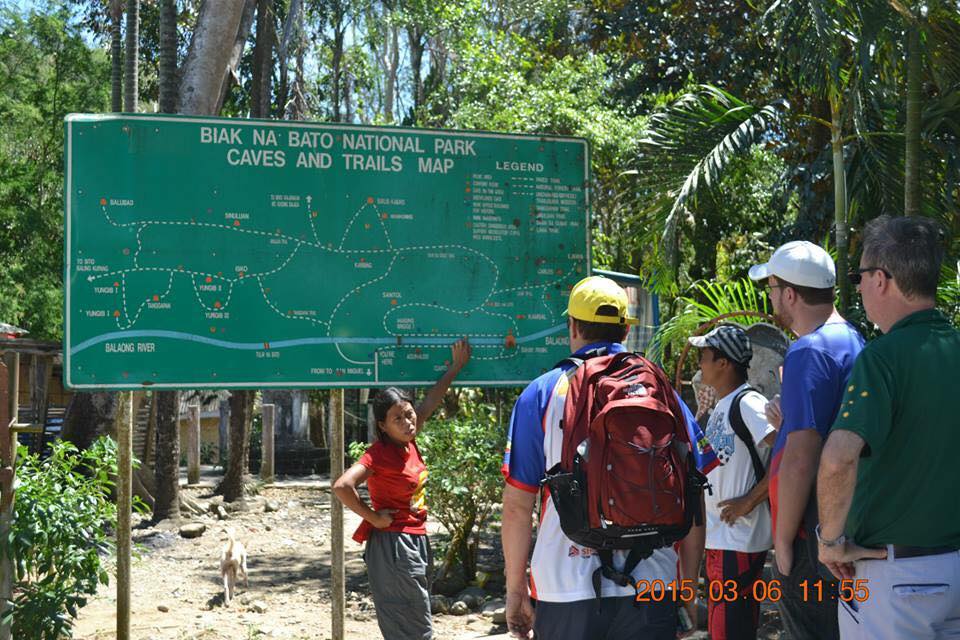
<point>233,565</point>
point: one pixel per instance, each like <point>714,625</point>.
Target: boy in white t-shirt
<point>738,515</point>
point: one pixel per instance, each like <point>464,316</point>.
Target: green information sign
<point>209,252</point>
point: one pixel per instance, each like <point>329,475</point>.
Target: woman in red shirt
<point>397,549</point>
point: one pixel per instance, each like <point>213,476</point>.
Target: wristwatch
<point>836,542</point>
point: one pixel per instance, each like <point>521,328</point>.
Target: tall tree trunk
<point>166,409</point>
<point>393,65</point>
<point>298,105</point>
<point>912,157</point>
<point>131,68</point>
<point>415,45</point>
<point>238,453</point>
<point>243,34</point>
<point>291,24</point>
<point>347,96</point>
<point>437,77</point>
<point>166,504</point>
<point>116,56</point>
<point>168,56</point>
<point>839,201</point>
<point>336,73</point>
<point>261,83</point>
<point>89,416</point>
<point>211,49</point>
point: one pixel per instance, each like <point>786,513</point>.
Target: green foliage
<point>356,449</point>
<point>46,71</point>
<point>704,302</point>
<point>948,292</point>
<point>685,151</point>
<point>59,535</point>
<point>504,82</point>
<point>463,456</point>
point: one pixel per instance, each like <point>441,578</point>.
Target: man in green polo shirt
<point>888,479</point>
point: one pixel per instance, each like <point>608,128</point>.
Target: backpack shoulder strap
<point>740,428</point>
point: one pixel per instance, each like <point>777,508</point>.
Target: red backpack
<point>627,478</point>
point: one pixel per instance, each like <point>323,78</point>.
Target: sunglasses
<point>856,277</point>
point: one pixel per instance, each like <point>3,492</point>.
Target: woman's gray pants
<point>398,566</point>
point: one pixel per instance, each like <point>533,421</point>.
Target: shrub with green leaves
<point>704,302</point>
<point>59,535</point>
<point>463,456</point>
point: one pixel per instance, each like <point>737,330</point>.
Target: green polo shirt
<point>902,400</point>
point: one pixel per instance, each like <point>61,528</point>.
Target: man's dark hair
<point>809,295</point>
<point>911,249</point>
<point>383,402</point>
<point>741,370</point>
<point>602,331</point>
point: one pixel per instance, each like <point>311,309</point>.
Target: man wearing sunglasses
<point>801,278</point>
<point>888,475</point>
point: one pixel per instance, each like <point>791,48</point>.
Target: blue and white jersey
<point>560,570</point>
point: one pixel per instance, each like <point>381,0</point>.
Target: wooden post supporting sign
<point>8,452</point>
<point>337,595</point>
<point>124,493</point>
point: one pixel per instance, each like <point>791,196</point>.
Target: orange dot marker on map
<point>314,214</point>
<point>216,305</point>
<point>366,225</point>
<point>213,329</point>
<point>103,202</point>
<point>510,341</point>
<point>156,298</point>
<point>208,279</point>
<point>236,223</point>
<point>393,301</point>
<point>116,314</point>
<point>369,200</point>
<point>266,345</point>
<point>116,284</point>
<point>384,216</point>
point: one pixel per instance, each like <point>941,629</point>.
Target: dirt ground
<point>177,594</point>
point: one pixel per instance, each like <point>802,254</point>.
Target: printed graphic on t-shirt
<point>418,501</point>
<point>722,441</point>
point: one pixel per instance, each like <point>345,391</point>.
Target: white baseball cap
<point>801,263</point>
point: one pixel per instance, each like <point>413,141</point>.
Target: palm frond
<point>686,148</point>
<point>704,302</point>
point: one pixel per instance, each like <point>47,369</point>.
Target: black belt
<point>904,551</point>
